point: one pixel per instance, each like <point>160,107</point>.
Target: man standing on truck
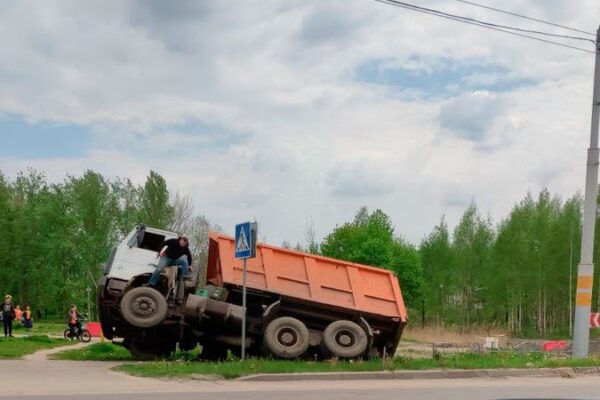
<point>173,252</point>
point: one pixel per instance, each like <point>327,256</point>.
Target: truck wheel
<point>286,337</point>
<point>345,339</point>
<point>144,307</point>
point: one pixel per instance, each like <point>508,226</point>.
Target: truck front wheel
<point>287,337</point>
<point>345,339</point>
<point>144,307</point>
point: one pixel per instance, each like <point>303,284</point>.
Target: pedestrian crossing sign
<point>245,240</point>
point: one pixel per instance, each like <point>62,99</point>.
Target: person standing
<point>174,252</point>
<point>8,314</point>
<point>18,314</point>
<point>27,318</point>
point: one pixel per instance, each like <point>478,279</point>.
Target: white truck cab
<point>152,320</point>
<point>137,253</point>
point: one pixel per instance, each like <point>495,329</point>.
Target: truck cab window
<point>152,241</point>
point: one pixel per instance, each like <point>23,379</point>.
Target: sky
<point>295,112</point>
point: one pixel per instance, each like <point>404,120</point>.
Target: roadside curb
<point>426,374</point>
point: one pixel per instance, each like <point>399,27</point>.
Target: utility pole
<point>585,271</point>
<point>571,281</point>
<point>89,305</point>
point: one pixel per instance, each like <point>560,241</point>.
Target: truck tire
<point>345,339</point>
<point>143,307</point>
<point>286,337</point>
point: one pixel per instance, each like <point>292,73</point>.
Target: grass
<point>235,369</point>
<point>12,348</point>
<point>41,328</point>
<point>95,352</point>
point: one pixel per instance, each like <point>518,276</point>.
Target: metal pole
<point>89,305</point>
<point>571,282</point>
<point>585,271</point>
<point>244,314</point>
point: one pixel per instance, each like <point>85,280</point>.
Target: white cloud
<point>471,115</point>
<point>286,133</point>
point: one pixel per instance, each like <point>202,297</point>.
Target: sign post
<point>245,248</point>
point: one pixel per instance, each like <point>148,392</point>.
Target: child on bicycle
<point>74,321</point>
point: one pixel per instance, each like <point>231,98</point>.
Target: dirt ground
<point>453,335</point>
<point>421,342</point>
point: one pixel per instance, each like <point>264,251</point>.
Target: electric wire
<point>482,24</point>
<point>514,14</point>
<point>431,10</point>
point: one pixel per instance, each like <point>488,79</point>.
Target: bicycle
<point>81,333</point>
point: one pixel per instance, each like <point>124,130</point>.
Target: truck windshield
<point>152,241</point>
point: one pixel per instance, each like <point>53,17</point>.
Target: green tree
<point>471,247</point>
<point>369,239</point>
<point>437,260</point>
<point>155,209</point>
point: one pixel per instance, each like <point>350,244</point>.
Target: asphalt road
<point>38,378</point>
<point>517,388</point>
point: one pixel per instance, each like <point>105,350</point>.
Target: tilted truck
<point>297,304</point>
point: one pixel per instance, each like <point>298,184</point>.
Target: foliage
<point>56,236</point>
<point>235,369</point>
<point>95,352</point>
<point>369,239</point>
<point>515,275</point>
<point>519,275</point>
<point>11,348</point>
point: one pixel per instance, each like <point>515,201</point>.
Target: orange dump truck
<point>298,305</point>
<point>347,309</point>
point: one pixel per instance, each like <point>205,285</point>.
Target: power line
<point>525,17</point>
<point>482,24</point>
<point>442,13</point>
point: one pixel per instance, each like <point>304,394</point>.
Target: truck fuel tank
<point>199,307</point>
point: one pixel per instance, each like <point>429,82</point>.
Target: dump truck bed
<point>309,278</point>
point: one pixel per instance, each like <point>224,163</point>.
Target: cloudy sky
<point>289,111</point>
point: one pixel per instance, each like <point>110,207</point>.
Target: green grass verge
<point>95,352</point>
<point>235,369</point>
<point>112,352</point>
<point>40,328</point>
<point>11,348</point>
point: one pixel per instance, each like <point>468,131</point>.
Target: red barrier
<point>555,345</point>
<point>94,328</point>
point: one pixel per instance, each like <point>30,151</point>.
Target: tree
<point>471,247</point>
<point>183,213</point>
<point>155,209</point>
<point>128,201</point>
<point>405,261</point>
<point>369,239</point>
<point>312,246</point>
<point>437,261</point>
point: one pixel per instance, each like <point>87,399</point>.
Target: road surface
<point>41,379</point>
<point>473,389</point>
